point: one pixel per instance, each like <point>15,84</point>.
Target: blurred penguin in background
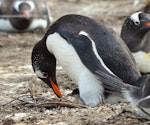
<point>24,15</point>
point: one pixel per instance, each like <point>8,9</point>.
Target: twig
<point>46,105</point>
<point>22,100</point>
<point>7,103</point>
<point>62,104</point>
<point>32,96</point>
<point>14,99</point>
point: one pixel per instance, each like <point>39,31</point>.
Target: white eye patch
<point>135,18</point>
<point>40,74</point>
<point>17,4</point>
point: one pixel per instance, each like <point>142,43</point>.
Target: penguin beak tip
<point>55,88</point>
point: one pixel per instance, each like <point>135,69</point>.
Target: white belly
<point>38,23</point>
<point>143,61</point>
<point>91,90</point>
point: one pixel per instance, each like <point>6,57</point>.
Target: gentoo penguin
<point>135,32</point>
<point>83,48</point>
<point>24,15</point>
<point>139,97</point>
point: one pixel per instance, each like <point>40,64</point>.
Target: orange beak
<point>147,23</point>
<point>26,14</point>
<point>55,88</point>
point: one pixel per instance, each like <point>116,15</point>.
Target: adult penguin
<point>87,51</point>
<point>135,33</point>
<point>24,15</point>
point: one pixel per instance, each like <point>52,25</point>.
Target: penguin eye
<point>137,23</point>
<point>45,74</point>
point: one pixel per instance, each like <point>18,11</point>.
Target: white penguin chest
<point>91,89</point>
<point>67,57</point>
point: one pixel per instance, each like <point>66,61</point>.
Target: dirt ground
<point>22,93</point>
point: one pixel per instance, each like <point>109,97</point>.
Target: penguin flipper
<point>110,83</point>
<point>86,50</point>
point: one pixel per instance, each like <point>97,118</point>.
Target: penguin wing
<point>87,52</point>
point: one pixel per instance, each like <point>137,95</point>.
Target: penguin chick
<point>76,94</point>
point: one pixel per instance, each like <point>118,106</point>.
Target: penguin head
<point>75,92</point>
<point>24,7</point>
<point>44,66</point>
<point>138,21</point>
<point>134,29</point>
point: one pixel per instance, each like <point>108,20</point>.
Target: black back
<point>110,46</point>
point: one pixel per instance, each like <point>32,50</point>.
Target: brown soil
<point>22,92</point>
